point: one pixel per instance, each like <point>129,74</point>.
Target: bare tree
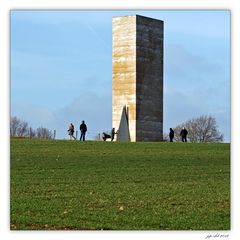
<point>201,129</point>
<point>18,128</point>
<point>14,124</point>
<point>42,132</point>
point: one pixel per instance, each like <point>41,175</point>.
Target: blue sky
<point>61,68</point>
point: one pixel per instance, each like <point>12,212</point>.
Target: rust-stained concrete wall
<point>138,75</point>
<point>124,71</point>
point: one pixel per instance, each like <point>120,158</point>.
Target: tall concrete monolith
<point>137,77</point>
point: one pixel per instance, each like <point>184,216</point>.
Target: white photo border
<point>6,6</point>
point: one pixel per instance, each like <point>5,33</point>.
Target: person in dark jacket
<point>171,134</point>
<point>113,134</point>
<point>83,130</point>
<point>184,134</point>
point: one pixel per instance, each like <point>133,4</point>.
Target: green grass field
<point>57,185</point>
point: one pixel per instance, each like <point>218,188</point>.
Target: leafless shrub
<point>42,132</point>
<point>20,128</point>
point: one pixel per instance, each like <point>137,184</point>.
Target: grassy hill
<point>122,186</point>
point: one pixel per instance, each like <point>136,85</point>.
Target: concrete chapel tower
<point>137,78</point>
